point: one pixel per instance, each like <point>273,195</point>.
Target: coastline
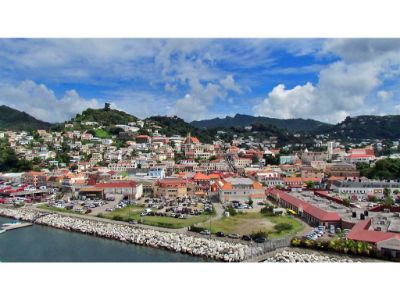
<point>178,242</point>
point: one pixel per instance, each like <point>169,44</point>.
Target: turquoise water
<point>44,244</point>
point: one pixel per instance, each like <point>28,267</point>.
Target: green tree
<point>255,159</point>
<point>232,211</point>
<point>283,227</point>
<point>310,184</point>
<point>259,234</point>
<point>388,201</point>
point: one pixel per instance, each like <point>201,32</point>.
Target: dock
<point>16,226</point>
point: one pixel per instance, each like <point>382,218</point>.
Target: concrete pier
<point>16,226</point>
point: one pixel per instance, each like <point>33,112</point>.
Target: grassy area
<point>297,226</point>
<point>247,223</point>
<point>132,212</point>
<point>58,209</point>
<point>127,212</point>
<point>101,133</point>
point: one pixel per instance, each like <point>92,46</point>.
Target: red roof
<point>116,184</point>
<point>172,182</point>
<point>361,156</point>
<point>143,136</point>
<point>200,176</point>
<point>360,232</point>
<point>308,208</point>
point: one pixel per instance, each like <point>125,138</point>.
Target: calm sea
<point>44,244</point>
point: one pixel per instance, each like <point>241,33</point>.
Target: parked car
<point>133,222</point>
<point>234,236</point>
<point>205,232</point>
<point>220,234</point>
<point>246,238</point>
<point>260,240</point>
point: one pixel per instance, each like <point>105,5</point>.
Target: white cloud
<point>345,87</point>
<point>384,95</point>
<point>362,50</point>
<point>230,85</point>
<point>194,106</point>
<point>139,103</point>
<point>170,87</point>
<point>189,108</point>
<point>41,102</point>
<point>299,102</point>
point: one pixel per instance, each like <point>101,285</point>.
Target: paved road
<point>103,208</point>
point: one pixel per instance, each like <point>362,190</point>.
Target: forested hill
<point>174,125</point>
<point>366,127</point>
<point>13,119</point>
<point>292,125</point>
<point>104,116</point>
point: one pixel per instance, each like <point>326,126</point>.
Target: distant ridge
<point>360,127</point>
<point>14,119</point>
<point>292,125</point>
<point>366,127</point>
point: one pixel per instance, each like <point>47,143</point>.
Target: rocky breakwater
<point>295,257</point>
<point>199,246</point>
<point>26,215</point>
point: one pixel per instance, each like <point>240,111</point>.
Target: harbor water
<point>44,244</point>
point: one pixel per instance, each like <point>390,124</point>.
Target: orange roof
<point>257,185</point>
<point>116,184</point>
<point>336,178</point>
<point>257,195</point>
<point>214,176</point>
<point>200,176</point>
<point>34,173</point>
<point>226,186</point>
<point>301,179</point>
<point>195,140</point>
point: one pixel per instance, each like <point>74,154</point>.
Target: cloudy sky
<point>323,79</point>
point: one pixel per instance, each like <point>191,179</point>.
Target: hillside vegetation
<point>383,169</point>
<point>174,125</point>
<point>105,117</point>
<point>362,127</point>
<point>13,119</point>
<point>292,125</point>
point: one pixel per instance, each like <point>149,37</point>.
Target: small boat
<point>5,225</point>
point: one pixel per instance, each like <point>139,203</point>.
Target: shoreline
<point>178,242</point>
<point>304,255</point>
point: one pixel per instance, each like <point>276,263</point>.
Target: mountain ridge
<point>241,120</point>
<point>359,127</point>
<point>11,118</point>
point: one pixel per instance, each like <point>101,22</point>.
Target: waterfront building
<point>171,188</point>
<point>310,213</point>
<point>240,189</point>
<point>35,179</point>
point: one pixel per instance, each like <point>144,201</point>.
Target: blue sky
<point>323,79</point>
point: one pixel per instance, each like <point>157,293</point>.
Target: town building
<point>36,179</point>
<point>240,189</point>
<point>310,213</point>
<point>364,187</point>
<point>171,188</point>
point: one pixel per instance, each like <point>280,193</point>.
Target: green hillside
<point>366,127</point>
<point>174,125</point>
<point>104,116</point>
<point>13,119</point>
<point>292,125</point>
